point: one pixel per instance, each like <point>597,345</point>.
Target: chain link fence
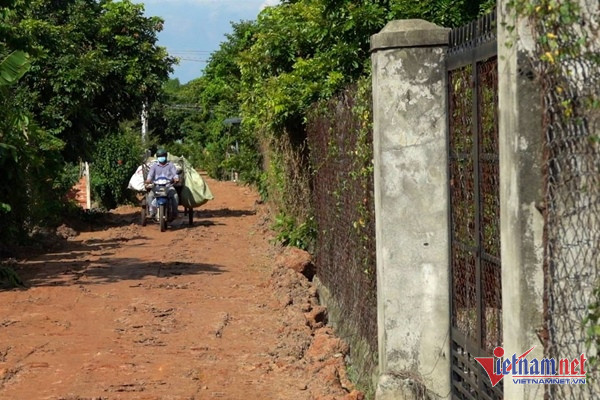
<point>569,67</point>
<point>340,142</point>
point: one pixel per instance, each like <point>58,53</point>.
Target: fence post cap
<point>409,33</point>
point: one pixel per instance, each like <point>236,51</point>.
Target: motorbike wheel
<point>162,218</point>
<point>190,212</point>
<point>143,216</point>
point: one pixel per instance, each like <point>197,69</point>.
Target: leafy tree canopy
<point>95,64</point>
<point>271,70</point>
<point>71,72</point>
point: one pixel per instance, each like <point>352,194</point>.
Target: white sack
<point>137,180</point>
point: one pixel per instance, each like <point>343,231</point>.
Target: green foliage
<point>9,278</point>
<point>30,158</point>
<point>566,63</point>
<point>487,6</point>
<point>591,324</point>
<point>194,114</point>
<point>363,172</point>
<point>13,124</point>
<point>13,67</point>
<point>116,158</point>
<point>95,64</point>
<point>308,50</point>
<point>29,191</point>
<point>356,374</point>
<point>566,52</point>
<point>287,181</point>
<point>67,177</point>
<point>443,12</point>
<point>70,73</point>
<point>341,160</point>
<point>270,71</point>
<point>292,233</point>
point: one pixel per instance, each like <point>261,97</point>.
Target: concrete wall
<point>411,202</point>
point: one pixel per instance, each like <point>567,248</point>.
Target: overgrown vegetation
<point>72,72</point>
<point>203,115</point>
<point>340,140</point>
<point>116,158</point>
<point>8,277</point>
<point>93,64</point>
<point>591,325</point>
<point>289,185</point>
<point>269,72</point>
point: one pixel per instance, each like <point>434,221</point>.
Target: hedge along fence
<point>340,141</point>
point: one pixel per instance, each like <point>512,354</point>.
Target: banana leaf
<point>13,67</point>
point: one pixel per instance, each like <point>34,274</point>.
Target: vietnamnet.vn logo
<point>547,371</point>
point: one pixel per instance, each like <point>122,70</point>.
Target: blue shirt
<point>158,170</point>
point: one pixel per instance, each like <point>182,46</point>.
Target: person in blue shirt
<point>163,169</point>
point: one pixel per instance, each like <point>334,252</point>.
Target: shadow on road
<point>101,221</point>
<point>97,261</point>
<point>224,212</point>
<point>106,270</point>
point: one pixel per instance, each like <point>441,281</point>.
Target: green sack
<point>194,191</point>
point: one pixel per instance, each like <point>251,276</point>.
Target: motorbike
<point>160,189</point>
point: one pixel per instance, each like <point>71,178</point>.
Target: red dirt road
<point>126,312</point>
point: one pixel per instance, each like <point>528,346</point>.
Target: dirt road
<point>122,311</point>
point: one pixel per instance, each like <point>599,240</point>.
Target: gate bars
<point>476,301</point>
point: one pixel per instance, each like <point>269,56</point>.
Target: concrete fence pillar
<point>411,206</point>
<point>521,196</point>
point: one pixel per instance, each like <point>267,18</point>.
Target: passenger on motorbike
<point>163,168</point>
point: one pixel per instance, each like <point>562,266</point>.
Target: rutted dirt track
<point>122,311</point>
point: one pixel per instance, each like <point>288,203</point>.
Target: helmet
<point>161,152</point>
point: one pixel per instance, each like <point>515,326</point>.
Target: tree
<point>29,156</point>
<point>11,69</point>
<point>195,112</point>
<point>269,72</point>
<point>450,13</point>
<point>92,66</point>
<point>95,64</point>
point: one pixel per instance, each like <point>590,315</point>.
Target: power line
<point>190,51</point>
<point>189,107</point>
<point>200,60</point>
<point>200,56</point>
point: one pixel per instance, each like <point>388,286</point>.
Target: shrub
<point>116,158</point>
<point>292,233</point>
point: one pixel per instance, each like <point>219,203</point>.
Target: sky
<point>194,29</point>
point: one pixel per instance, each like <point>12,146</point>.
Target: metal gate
<point>476,302</point>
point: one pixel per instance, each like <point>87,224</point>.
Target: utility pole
<point>230,122</point>
<point>88,188</point>
<point>144,123</point>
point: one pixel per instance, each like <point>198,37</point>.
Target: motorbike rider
<point>163,169</point>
